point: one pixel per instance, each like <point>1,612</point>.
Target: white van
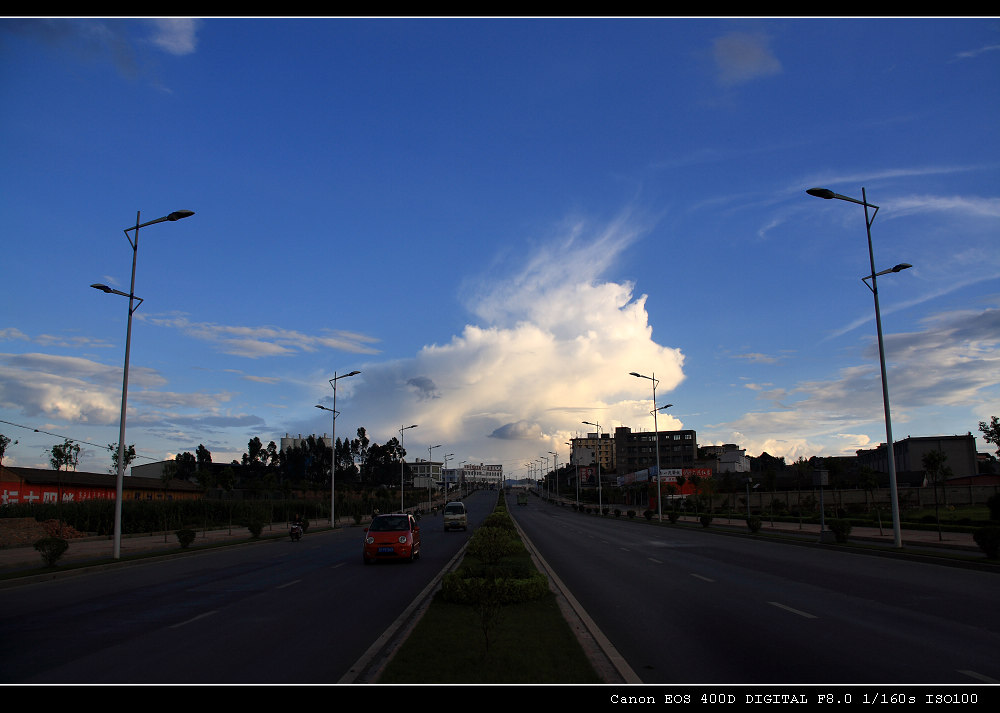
<point>455,516</point>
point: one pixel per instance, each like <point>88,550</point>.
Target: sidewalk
<point>911,539</point>
<point>100,550</point>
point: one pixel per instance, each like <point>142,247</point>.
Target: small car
<point>394,536</point>
<point>455,516</point>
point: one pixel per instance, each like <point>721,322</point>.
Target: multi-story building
<point>591,450</point>
<point>635,451</point>
<point>729,458</point>
<point>426,473</point>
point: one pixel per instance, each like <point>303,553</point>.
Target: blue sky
<point>495,221</point>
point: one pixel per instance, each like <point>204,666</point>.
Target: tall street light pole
<point>133,305</point>
<point>869,219</point>
<point>597,457</point>
<point>402,507</point>
<point>656,440</point>
<point>430,474</point>
<point>555,470</point>
<point>333,446</point>
<point>576,473</point>
<point>443,469</point>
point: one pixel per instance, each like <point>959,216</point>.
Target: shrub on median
<point>51,549</point>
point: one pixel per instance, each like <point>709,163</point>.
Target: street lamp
<point>333,444</point>
<point>443,469</point>
<point>402,507</point>
<point>133,305</point>
<point>597,457</point>
<point>576,472</point>
<point>555,470</point>
<point>656,440</point>
<point>430,474</point>
<point>828,194</point>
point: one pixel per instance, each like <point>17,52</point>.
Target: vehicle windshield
<point>454,509</point>
<point>390,523</point>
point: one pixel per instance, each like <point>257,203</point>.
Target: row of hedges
<point>986,535</point>
<point>497,569</point>
<point>144,516</point>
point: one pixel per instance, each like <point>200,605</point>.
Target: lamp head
<point>102,288</point>
<point>178,214</point>
<point>821,192</point>
<point>901,266</point>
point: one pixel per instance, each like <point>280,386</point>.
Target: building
<point>290,442</point>
<point>426,473</point>
<point>635,451</point>
<point>729,458</point>
<point>591,449</point>
<point>909,454</point>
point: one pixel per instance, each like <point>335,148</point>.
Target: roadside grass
<point>531,643</point>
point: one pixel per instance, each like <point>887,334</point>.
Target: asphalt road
<point>685,606</point>
<point>273,612</point>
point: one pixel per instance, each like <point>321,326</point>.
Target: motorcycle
<point>295,531</point>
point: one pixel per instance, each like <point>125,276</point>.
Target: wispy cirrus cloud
<point>266,341</point>
<point>742,57</point>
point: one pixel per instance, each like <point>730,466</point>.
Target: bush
<point>648,514</point>
<point>631,514</point>
<point>492,544</point>
<point>993,503</point>
<point>706,520</point>
<point>672,516</point>
<point>185,537</point>
<point>499,520</point>
<point>618,512</point>
<point>460,589</point>
<point>753,524</point>
<point>52,549</point>
<point>255,527</point>
<point>988,539</point>
<point>841,529</point>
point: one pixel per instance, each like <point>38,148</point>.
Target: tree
<point>185,466</point>
<point>937,472</point>
<point>129,456</point>
<point>4,442</point>
<point>991,432</point>
<point>67,454</point>
<point>203,456</point>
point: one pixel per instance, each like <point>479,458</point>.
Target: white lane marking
<point>288,584</point>
<point>704,579</point>
<point>651,559</point>
<point>193,619</point>
<point>978,676</point>
<point>807,615</point>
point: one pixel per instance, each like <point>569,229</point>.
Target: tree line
<point>305,465</point>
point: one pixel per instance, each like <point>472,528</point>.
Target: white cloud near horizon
<point>953,362</point>
<point>553,347</point>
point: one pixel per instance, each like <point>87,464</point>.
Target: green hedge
<point>460,589</point>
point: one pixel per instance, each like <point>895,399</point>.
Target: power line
<point>66,438</point>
